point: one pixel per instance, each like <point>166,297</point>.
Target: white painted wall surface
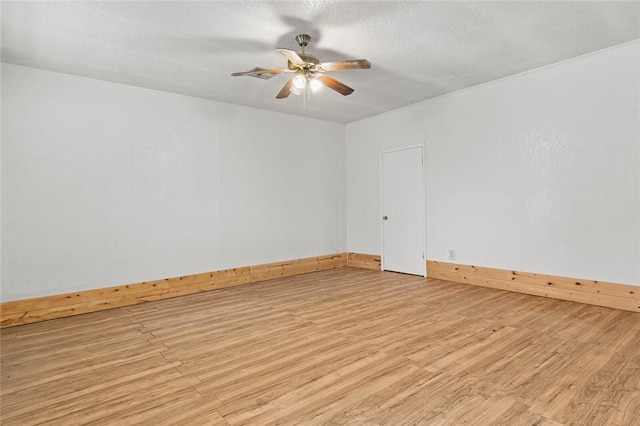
<point>538,172</point>
<point>105,184</point>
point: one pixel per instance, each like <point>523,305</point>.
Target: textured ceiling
<point>418,50</point>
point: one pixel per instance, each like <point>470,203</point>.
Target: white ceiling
<point>418,49</point>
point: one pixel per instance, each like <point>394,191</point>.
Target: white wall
<point>538,172</point>
<point>105,184</point>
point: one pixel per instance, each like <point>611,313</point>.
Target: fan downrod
<point>303,40</point>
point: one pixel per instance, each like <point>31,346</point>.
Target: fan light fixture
<point>315,85</point>
<point>299,81</point>
<point>304,81</point>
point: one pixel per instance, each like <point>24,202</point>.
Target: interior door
<point>403,211</point>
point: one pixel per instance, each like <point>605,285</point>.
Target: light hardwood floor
<point>345,346</point>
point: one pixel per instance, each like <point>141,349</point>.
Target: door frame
<point>423,206</point>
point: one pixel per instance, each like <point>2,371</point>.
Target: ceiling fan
<point>308,71</point>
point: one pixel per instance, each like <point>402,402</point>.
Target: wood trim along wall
<point>611,295</point>
<point>62,305</point>
<point>366,261</point>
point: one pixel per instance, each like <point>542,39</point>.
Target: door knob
<point>385,217</point>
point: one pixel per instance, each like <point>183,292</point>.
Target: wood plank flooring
<point>344,346</point>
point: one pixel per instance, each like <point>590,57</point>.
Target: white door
<point>403,211</point>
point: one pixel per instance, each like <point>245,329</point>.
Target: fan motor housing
<point>310,61</point>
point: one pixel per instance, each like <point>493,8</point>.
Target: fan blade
<point>286,89</point>
<point>356,64</point>
<point>334,84</point>
<point>292,56</point>
<point>261,72</point>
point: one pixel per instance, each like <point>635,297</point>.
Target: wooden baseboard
<point>57,306</point>
<point>611,295</point>
<point>366,261</point>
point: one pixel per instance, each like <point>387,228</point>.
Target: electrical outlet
<point>452,255</point>
<point>365,245</point>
